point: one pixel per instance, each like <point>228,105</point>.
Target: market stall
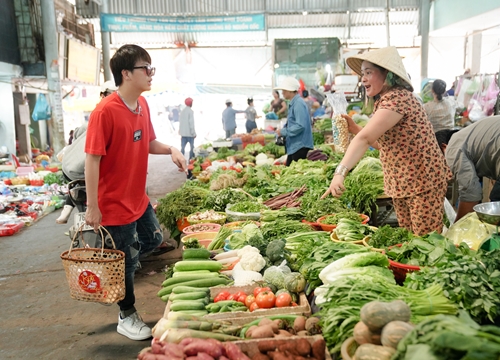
<point>267,263</point>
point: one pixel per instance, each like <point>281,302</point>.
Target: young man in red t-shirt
<point>120,137</point>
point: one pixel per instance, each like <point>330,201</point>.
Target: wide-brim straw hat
<point>387,57</point>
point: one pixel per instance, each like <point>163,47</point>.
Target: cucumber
<point>195,295</point>
<point>204,283</point>
<point>189,277</point>
<point>165,298</point>
<point>192,272</point>
<point>185,313</point>
<point>210,265</point>
<point>187,305</point>
<point>200,253</point>
<point>181,289</point>
<point>204,300</point>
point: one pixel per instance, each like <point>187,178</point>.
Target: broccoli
<point>276,251</point>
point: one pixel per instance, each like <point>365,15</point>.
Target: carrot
<point>231,266</point>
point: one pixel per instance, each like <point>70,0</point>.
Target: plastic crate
<point>10,229</point>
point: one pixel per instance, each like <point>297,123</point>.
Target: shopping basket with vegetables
<point>93,274</point>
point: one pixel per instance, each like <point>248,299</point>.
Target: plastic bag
<point>341,137</point>
<point>470,230</point>
<point>276,274</point>
<point>42,110</point>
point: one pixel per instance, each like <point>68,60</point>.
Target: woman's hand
<point>336,187</point>
<point>351,125</point>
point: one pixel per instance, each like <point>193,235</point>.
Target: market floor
<point>39,320</point>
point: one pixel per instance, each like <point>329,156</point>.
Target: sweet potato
<point>269,345</point>
<point>234,352</point>
<point>263,331</point>
<point>270,322</point>
<point>223,358</point>
<point>318,349</point>
<point>260,356</point>
<point>284,333</point>
<point>192,358</point>
<point>303,347</point>
<point>204,356</point>
<point>276,355</point>
<point>279,323</point>
<point>288,347</point>
<point>248,334</point>
<point>299,324</point>
<point>210,347</point>
<point>148,356</point>
<point>186,341</point>
<point>156,348</point>
<point>174,351</point>
<point>302,333</point>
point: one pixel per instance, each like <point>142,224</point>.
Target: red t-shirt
<point>122,139</point>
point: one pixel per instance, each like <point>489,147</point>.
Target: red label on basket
<point>89,281</point>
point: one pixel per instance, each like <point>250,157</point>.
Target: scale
<point>489,213</point>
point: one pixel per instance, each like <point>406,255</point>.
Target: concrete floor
<point>39,320</point>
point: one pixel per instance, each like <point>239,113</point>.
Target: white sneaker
<point>66,212</point>
<point>133,327</point>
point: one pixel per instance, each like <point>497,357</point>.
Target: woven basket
<point>93,274</point>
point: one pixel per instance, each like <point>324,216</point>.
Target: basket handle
<point>103,240</point>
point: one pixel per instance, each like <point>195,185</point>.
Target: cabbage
<point>276,275</point>
<point>250,230</point>
<point>354,260</point>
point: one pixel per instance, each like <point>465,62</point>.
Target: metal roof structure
<point>353,21</point>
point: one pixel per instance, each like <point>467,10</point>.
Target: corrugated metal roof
<point>325,18</point>
<point>218,7</point>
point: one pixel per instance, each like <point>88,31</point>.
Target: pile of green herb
<point>285,213</point>
<point>364,185</point>
<point>449,337</point>
<point>218,200</point>
<point>430,250</point>
<point>246,207</point>
<point>280,229</point>
<point>54,178</point>
<point>178,204</point>
<point>467,282</point>
<point>314,207</point>
<point>345,214</point>
<point>386,236</point>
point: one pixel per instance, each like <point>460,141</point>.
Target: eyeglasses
<point>150,71</point>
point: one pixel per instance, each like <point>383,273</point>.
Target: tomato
<point>219,297</point>
<point>258,290</point>
<point>232,297</point>
<point>225,294</point>
<point>294,304</point>
<point>224,168</point>
<point>250,299</point>
<point>265,300</point>
<point>253,307</point>
<point>242,298</point>
<point>283,299</point>
<point>238,170</point>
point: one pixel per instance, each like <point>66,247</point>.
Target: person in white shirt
<point>441,110</point>
<point>186,128</point>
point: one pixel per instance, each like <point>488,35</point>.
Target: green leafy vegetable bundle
<point>218,200</point>
<point>386,236</point>
<point>448,337</point>
<point>467,282</point>
<point>301,245</point>
<point>282,228</point>
<point>284,213</point>
<point>179,204</point>
<point>247,207</point>
<point>345,214</point>
<point>429,250</point>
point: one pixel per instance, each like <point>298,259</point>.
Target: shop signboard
<point>178,24</point>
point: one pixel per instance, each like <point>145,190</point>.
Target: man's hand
<point>178,159</point>
<point>93,217</point>
<point>336,187</point>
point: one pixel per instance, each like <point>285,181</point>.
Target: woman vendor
<point>415,171</point>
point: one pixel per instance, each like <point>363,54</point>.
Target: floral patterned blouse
<point>409,152</point>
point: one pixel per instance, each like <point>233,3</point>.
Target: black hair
<point>249,101</point>
<point>276,92</point>
<point>305,93</point>
<point>444,136</point>
<point>125,58</point>
<point>439,88</point>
